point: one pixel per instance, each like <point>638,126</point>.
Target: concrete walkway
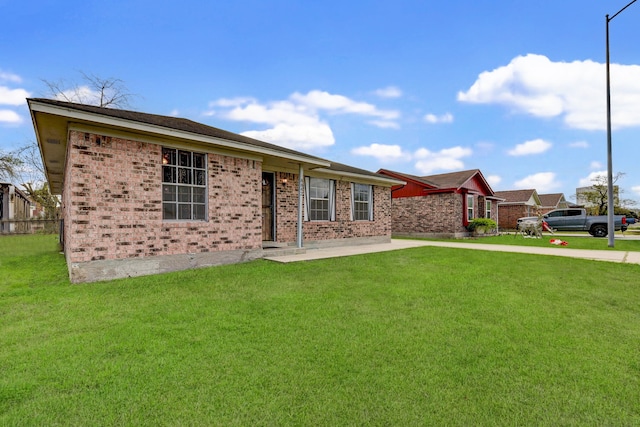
<point>397,244</point>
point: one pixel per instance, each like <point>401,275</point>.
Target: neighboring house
<point>14,205</point>
<point>143,193</point>
<point>516,204</point>
<point>440,205</point>
<point>549,202</point>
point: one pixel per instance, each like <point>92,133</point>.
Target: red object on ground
<point>558,242</point>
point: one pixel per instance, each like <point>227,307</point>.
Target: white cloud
<point>385,124</point>
<point>232,102</point>
<point>299,122</point>
<point>389,92</point>
<point>291,125</point>
<point>484,147</point>
<point>11,117</point>
<point>543,182</point>
<point>636,189</point>
<point>535,85</point>
<point>321,100</point>
<point>535,146</point>
<point>10,77</point>
<point>13,96</point>
<point>426,161</point>
<point>595,165</point>
<point>579,144</point>
<point>591,179</point>
<point>445,160</point>
<point>273,114</point>
<point>293,136</point>
<point>445,118</point>
<point>494,180</point>
<point>382,152</point>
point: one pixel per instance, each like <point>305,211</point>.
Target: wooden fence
<point>30,226</point>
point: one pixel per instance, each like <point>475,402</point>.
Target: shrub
<point>482,225</point>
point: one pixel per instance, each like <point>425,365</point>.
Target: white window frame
<point>361,210</point>
<point>470,207</point>
<point>487,208</point>
<point>184,185</point>
<point>319,190</point>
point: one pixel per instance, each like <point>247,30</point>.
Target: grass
<point>426,336</point>
<point>574,240</point>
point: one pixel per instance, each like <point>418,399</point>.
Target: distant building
<point>14,205</point>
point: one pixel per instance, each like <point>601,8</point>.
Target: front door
<point>268,197</point>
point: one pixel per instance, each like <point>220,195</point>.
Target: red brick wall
<point>342,227</point>
<point>113,203</point>
<point>509,214</point>
<point>440,213</point>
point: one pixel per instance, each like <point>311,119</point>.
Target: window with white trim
<point>487,209</point>
<point>320,196</point>
<point>361,202</point>
<point>184,185</point>
<point>469,207</point>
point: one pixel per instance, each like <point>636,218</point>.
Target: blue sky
<point>513,88</point>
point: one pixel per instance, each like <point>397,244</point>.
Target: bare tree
<point>31,166</point>
<point>96,90</point>
<point>9,165</point>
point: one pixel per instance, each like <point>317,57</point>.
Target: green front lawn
<point>425,336</point>
<point>574,241</point>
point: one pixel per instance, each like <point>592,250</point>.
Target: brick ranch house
<point>145,194</point>
<point>440,205</point>
<point>516,204</point>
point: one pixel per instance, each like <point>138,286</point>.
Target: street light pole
<point>610,207</point>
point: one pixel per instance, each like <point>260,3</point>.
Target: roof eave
<point>370,178</point>
<point>85,116</point>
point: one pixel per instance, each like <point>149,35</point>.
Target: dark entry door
<point>268,197</point>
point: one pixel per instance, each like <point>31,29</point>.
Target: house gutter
<point>370,178</point>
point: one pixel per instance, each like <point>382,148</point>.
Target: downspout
<point>300,203</point>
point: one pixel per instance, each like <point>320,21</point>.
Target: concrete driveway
<point>397,244</point>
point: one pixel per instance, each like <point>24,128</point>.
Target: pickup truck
<point>575,219</point>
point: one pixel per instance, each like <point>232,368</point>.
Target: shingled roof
<point>170,122</point>
<point>444,181</point>
<point>51,118</point>
<point>518,196</point>
<point>552,199</point>
<point>452,179</point>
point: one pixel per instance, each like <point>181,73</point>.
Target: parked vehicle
<point>575,219</point>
